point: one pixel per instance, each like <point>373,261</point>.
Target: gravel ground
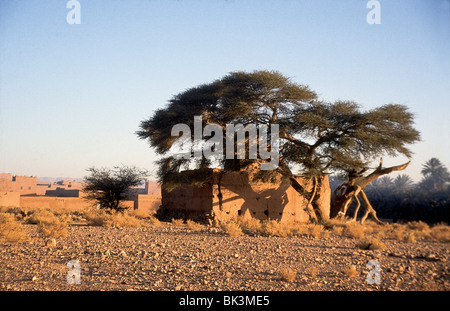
<point>170,257</point>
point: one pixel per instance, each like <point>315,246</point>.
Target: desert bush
<point>123,220</point>
<point>250,223</point>
<point>418,225</point>
<point>177,222</point>
<point>354,231</point>
<point>192,225</point>
<point>96,217</point>
<point>38,216</point>
<point>152,220</point>
<point>114,219</point>
<point>313,271</point>
<point>370,243</point>
<point>317,231</point>
<point>139,213</point>
<point>440,233</point>
<point>396,232</point>
<point>10,229</point>
<point>287,274</point>
<point>231,228</point>
<point>337,230</point>
<point>350,271</point>
<point>52,227</point>
<point>275,228</point>
<point>410,237</point>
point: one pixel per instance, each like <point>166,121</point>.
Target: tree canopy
<point>319,136</point>
<point>107,188</point>
<point>316,136</point>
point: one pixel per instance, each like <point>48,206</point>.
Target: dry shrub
<point>440,232</point>
<point>192,225</point>
<point>116,219</point>
<point>10,229</point>
<point>350,271</point>
<point>337,230</point>
<point>96,217</point>
<point>154,221</point>
<point>354,231</point>
<point>177,222</point>
<point>418,225</point>
<point>287,274</point>
<point>250,223</point>
<point>431,286</point>
<point>52,227</point>
<point>275,228</point>
<point>231,228</point>
<point>410,237</point>
<point>140,214</point>
<point>370,243</point>
<point>297,229</point>
<point>396,232</point>
<point>123,220</point>
<point>38,216</point>
<point>318,231</point>
<point>375,229</point>
<point>313,271</point>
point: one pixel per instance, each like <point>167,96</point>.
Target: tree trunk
<point>369,210</point>
<point>347,192</point>
<point>302,191</point>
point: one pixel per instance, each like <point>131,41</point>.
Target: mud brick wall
<point>232,194</point>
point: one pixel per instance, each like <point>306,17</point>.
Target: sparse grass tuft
<point>350,271</point>
<point>178,222</point>
<point>250,224</point>
<point>140,214</point>
<point>38,216</point>
<point>370,243</point>
<point>313,271</point>
<point>11,230</point>
<point>431,286</point>
<point>287,274</point>
<point>440,233</point>
<point>116,219</point>
<point>52,227</point>
<point>192,225</point>
<point>154,221</point>
<point>354,231</point>
<point>409,237</point>
<point>231,228</point>
<point>275,228</point>
<point>318,231</point>
<point>418,225</point>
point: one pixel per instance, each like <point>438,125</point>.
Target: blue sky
<point>72,96</point>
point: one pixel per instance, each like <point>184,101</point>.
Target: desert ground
<point>170,256</point>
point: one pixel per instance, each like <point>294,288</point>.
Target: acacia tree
<point>314,136</point>
<point>339,137</point>
<point>107,188</point>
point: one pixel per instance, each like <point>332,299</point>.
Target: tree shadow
<point>261,200</point>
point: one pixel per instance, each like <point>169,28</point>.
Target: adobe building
<point>23,191</point>
<point>230,194</point>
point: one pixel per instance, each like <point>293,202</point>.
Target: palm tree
<point>435,174</point>
<point>403,182</point>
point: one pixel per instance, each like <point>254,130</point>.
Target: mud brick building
<point>227,195</point>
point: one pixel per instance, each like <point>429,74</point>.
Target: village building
<point>227,195</point>
<point>27,191</point>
